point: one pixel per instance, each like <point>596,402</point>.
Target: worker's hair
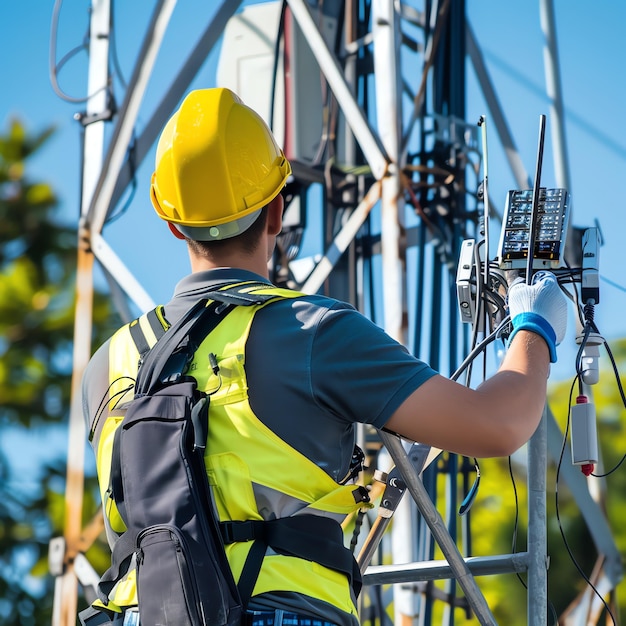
<point>246,243</point>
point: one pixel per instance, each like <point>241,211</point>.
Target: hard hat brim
<point>222,231</point>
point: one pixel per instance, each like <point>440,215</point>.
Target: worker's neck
<point>252,263</point>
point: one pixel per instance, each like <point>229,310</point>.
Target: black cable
<point>611,470</point>
<point>623,397</point>
<point>105,400</point>
<point>495,334</point>
<point>480,310</point>
<point>113,49</point>
<point>579,357</point>
<point>54,67</point>
<point>616,372</point>
<point>553,613</point>
<point>589,326</point>
<point>133,183</point>
<point>516,523</point>
<point>570,275</point>
<point>279,36</point>
<point>358,523</point>
<point>514,542</point>
<point>127,203</point>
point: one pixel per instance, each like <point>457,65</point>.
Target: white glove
<point>540,308</point>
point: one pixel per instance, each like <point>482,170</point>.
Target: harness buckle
<point>235,532</point>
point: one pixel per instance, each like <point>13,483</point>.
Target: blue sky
<point>591,50</point>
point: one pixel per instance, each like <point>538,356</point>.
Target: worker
<point>306,368</point>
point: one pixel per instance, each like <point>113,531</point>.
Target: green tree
<point>37,295</point>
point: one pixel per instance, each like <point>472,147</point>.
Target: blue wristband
<point>534,323</point>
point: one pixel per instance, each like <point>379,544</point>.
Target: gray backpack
<point>159,484</point>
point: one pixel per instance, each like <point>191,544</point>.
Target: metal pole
<point>537,597</point>
<point>557,108</point>
<point>123,130</point>
<point>386,35</point>
<point>66,588</point>
<point>120,273</point>
<point>441,570</point>
<point>591,511</point>
<point>554,91</point>
<point>342,240</point>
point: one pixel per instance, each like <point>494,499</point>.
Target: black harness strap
<point>157,321</point>
<point>250,571</point>
<point>310,537</point>
<point>139,338</point>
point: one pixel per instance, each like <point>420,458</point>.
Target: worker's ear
<point>275,215</point>
<point>175,231</point>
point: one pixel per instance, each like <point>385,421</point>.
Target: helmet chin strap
<point>175,231</point>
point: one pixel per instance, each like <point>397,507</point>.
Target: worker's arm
<point>501,414</point>
<point>493,420</point>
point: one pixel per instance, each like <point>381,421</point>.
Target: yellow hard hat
<point>217,165</point>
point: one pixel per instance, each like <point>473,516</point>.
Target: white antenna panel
<point>246,65</point>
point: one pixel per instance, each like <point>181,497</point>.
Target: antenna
<point>535,205</point>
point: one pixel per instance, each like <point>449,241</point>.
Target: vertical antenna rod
<point>482,122</point>
<point>535,207</point>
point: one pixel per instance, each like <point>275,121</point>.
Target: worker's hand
<point>540,308</point>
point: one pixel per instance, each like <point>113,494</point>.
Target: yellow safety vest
<point>246,461</point>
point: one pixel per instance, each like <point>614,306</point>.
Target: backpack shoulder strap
<point>168,358</point>
<point>155,319</point>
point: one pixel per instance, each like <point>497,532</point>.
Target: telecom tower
<point>368,98</point>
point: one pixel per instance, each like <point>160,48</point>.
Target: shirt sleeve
<point>95,389</point>
<point>358,371</point>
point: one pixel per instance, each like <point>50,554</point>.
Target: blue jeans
<point>283,618</point>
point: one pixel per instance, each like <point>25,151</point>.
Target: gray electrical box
<point>247,66</point>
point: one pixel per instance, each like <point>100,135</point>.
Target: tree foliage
<point>37,295</point>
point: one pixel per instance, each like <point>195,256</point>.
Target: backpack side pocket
<point>166,578</point>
